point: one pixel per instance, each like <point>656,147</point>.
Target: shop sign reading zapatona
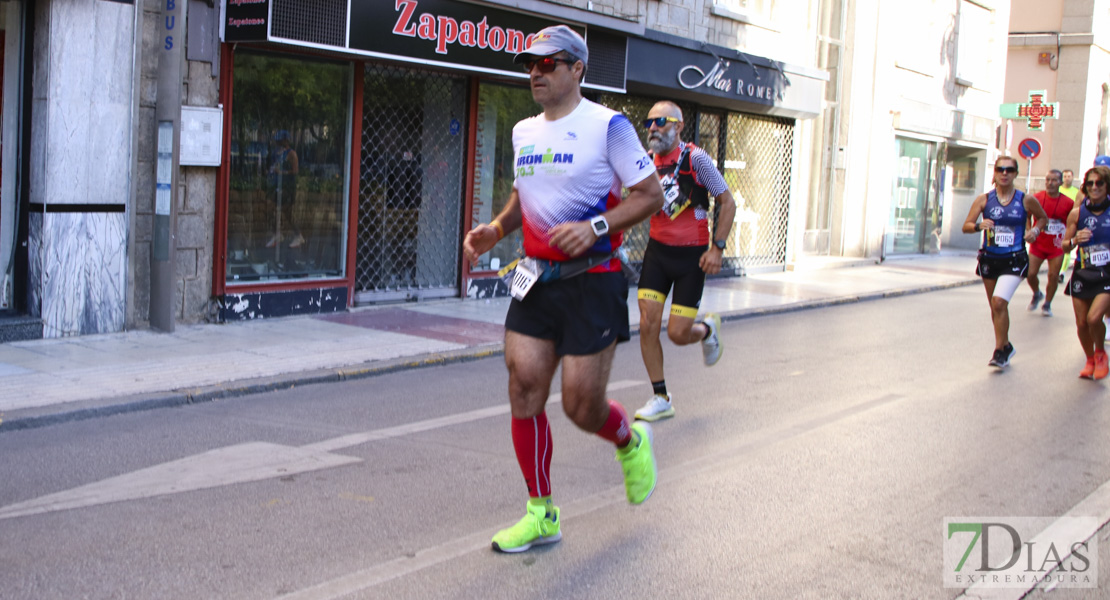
<point>443,31</point>
<point>692,77</point>
<point>430,32</point>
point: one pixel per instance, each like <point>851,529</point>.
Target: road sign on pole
<point>1029,148</point>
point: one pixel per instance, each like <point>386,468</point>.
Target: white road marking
<point>251,461</point>
<point>479,541</point>
<point>356,439</point>
<point>1096,505</point>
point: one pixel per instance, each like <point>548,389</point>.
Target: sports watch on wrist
<point>720,244</point>
<point>599,225</point>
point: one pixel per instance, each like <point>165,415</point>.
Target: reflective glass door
<point>912,195</point>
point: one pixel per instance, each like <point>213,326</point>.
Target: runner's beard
<point>660,142</point>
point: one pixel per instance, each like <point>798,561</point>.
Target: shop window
<point>500,107</point>
<point>923,44</point>
<point>289,151</point>
<point>973,58</point>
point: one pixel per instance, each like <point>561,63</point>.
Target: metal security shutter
<point>315,21</point>
<point>608,58</point>
<point>411,184</point>
<point>757,167</point>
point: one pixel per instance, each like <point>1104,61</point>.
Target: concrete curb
<point>33,418</point>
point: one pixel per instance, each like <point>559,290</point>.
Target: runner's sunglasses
<point>1095,183</point>
<point>546,64</point>
<point>659,121</point>
<point>1005,169</point>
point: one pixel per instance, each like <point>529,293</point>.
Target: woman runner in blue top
<point>1003,261</point>
<point>1089,288</point>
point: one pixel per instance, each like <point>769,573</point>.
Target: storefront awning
<point>676,68</point>
<point>438,33</point>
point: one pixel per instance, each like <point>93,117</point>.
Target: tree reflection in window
<point>287,208</point>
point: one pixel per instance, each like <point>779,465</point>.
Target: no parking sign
<point>1029,148</point>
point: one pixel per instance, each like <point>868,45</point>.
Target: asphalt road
<point>819,459</point>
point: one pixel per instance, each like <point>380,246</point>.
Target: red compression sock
<point>532,441</point>
<point>616,427</point>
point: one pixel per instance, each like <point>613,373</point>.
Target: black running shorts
<point>583,315</point>
<point>993,266</point>
<point>1085,284</point>
<point>666,266</point>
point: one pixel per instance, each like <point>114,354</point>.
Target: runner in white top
<point>570,165</point>
<point>572,169</point>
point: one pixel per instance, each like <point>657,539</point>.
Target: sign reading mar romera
<point>727,74</point>
<point>443,31</point>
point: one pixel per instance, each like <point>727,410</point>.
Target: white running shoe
<point>1037,297</point>
<point>657,407</point>
<point>711,347</point>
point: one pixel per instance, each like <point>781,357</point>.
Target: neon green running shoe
<point>536,528</point>
<point>638,463</point>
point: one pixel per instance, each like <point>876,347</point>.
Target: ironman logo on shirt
<point>528,159</point>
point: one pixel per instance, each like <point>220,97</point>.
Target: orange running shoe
<point>1101,366</point>
<point>1088,371</point>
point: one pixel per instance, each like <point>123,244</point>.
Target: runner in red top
<point>1049,244</point>
<point>680,251</point>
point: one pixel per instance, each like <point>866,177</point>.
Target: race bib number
<point>1003,236</point>
<point>1055,227</point>
<point>527,273</point>
<point>1098,255</point>
<point>673,203</point>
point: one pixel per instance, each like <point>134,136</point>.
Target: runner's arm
<point>644,199</point>
<point>973,215</point>
<point>484,237</point>
<point>711,259</point>
<point>1035,209</point>
<point>1073,237</point>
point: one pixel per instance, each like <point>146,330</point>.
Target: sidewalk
<point>53,380</point>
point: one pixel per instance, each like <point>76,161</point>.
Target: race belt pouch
<point>521,275</point>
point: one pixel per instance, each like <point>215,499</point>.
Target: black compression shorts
<point>666,266</point>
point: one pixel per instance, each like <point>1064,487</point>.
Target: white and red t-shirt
<point>572,169</point>
<point>689,227</point>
